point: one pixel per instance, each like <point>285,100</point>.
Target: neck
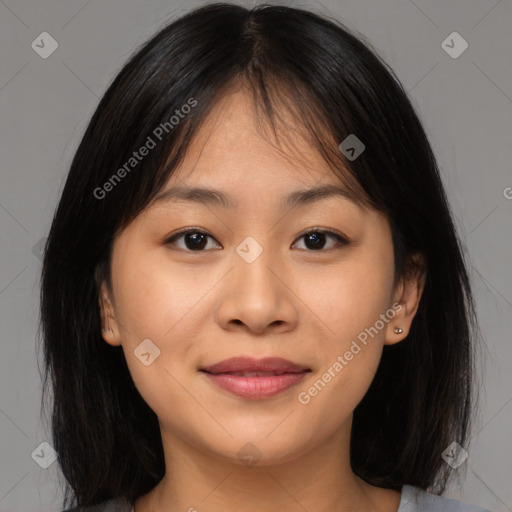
<point>320,479</point>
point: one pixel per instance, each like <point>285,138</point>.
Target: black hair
<point>335,85</point>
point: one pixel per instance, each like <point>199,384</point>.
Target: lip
<point>273,375</point>
<point>250,364</point>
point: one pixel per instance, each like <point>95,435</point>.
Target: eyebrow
<point>218,198</point>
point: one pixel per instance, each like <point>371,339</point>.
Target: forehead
<point>235,150</point>
<point>235,133</point>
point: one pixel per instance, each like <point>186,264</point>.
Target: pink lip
<point>286,375</point>
<point>250,364</point>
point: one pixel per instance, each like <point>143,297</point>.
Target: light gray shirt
<point>413,499</point>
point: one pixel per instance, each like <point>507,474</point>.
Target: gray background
<point>465,104</point>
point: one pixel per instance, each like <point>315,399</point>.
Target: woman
<point>253,292</point>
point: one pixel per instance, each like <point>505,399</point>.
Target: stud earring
<point>398,330</point>
<point>107,330</point>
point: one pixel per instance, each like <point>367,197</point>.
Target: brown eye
<point>315,240</point>
<point>194,240</point>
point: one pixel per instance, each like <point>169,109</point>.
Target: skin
<point>294,302</point>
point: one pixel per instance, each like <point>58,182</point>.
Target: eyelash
<point>341,240</point>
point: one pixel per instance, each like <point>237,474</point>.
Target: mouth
<point>241,365</point>
<point>255,378</point>
<point>252,374</point>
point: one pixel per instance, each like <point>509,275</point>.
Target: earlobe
<point>407,295</point>
<point>109,328</point>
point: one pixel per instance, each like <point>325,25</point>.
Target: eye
<point>194,239</point>
<point>315,238</point>
<point>197,240</point>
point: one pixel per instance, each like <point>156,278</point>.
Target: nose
<point>257,297</point>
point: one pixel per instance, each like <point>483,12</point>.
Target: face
<point>199,281</point>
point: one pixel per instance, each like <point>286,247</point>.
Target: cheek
<point>153,297</point>
<point>348,297</point>
<point>154,301</point>
<point>353,297</point>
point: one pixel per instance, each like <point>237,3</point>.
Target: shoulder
<point>112,505</point>
<point>415,499</point>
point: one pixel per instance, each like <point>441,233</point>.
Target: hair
<point>333,84</point>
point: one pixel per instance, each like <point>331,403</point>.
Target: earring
<point>107,330</point>
<point>398,330</point>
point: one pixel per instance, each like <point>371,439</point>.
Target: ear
<point>109,325</point>
<point>407,295</point>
